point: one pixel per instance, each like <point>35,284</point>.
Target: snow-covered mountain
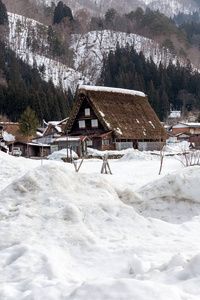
<point>168,7</point>
<point>19,30</point>
<point>88,49</point>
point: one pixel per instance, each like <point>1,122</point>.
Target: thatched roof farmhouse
<point>114,118</point>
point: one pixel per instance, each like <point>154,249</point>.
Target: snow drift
<point>68,235</point>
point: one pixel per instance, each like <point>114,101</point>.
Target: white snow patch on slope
<point>88,48</point>
<point>19,31</point>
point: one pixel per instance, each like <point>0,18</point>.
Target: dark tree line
<point>173,87</point>
<point>192,30</point>
<point>181,18</point>
<point>3,14</point>
<point>21,86</point>
<point>138,21</point>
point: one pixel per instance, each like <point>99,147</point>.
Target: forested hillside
<point>22,86</point>
<point>72,47</point>
<point>172,87</point>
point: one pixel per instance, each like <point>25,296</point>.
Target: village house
<point>187,128</point>
<point>115,119</point>
<point>12,138</point>
<point>78,144</point>
<point>11,130</point>
<point>195,140</point>
<point>3,142</point>
<point>186,131</point>
<point>50,133</point>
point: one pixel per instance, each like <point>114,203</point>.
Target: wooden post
<point>77,168</point>
<point>105,165</point>
<point>75,165</point>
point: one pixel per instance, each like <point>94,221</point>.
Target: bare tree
<point>83,17</point>
<point>189,158</point>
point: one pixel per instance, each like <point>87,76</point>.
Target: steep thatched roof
<point>126,112</point>
<point>13,128</point>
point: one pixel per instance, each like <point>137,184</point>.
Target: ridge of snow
<point>111,90</point>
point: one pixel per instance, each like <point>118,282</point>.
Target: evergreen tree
<point>3,14</point>
<point>156,104</point>
<point>28,124</point>
<point>56,111</point>
<point>44,106</point>
<point>110,15</point>
<point>62,11</point>
<point>37,106</point>
<point>151,94</point>
<point>163,106</point>
<point>139,13</point>
<point>2,99</point>
<point>70,99</point>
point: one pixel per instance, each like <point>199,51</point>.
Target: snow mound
<point>173,198</point>
<point>68,235</point>
<point>177,148</point>
<point>134,154</point>
<point>95,152</point>
<point>53,217</point>
<point>58,155</point>
<point>12,167</point>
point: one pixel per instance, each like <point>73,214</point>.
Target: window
<point>81,124</point>
<point>105,142</point>
<point>87,111</point>
<point>89,143</point>
<point>94,123</point>
<point>192,130</point>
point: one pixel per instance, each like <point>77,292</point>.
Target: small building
<point>174,117</point>
<point>74,143</point>
<point>50,133</point>
<point>115,119</point>
<point>11,129</point>
<point>195,140</point>
<point>189,128</point>
<point>3,141</point>
<point>15,139</point>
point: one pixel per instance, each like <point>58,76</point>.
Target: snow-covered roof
<point>111,90</point>
<point>8,137</point>
<point>193,124</point>
<point>175,114</point>
<point>70,139</point>
<point>54,123</point>
<point>39,144</point>
<point>185,125</point>
<point>63,121</point>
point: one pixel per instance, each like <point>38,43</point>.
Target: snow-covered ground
<point>93,236</point>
